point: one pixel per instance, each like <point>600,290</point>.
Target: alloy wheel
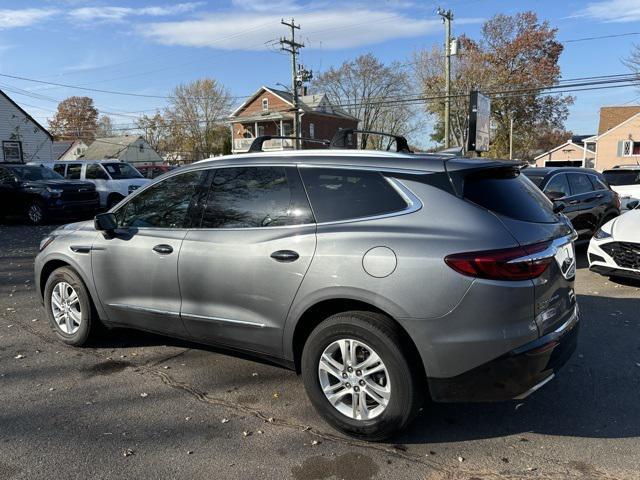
<point>354,379</point>
<point>65,306</point>
<point>35,213</point>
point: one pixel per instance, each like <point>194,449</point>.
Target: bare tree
<point>196,116</point>
<point>365,88</point>
<point>105,127</point>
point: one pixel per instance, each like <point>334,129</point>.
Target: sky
<point>147,47</point>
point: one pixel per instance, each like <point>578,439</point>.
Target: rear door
<point>584,204</point>
<point>240,271</point>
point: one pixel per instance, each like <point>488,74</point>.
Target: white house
<point>23,138</point>
<point>68,149</point>
<point>128,148</point>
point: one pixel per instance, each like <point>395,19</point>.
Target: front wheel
<point>357,376</point>
<point>35,212</point>
<point>69,309</point>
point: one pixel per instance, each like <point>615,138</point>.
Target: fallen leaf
<point>19,356</point>
<point>144,394</point>
<point>461,459</point>
<point>276,395</point>
<point>128,452</point>
<point>224,420</point>
<point>315,442</point>
<point>246,433</point>
<point>189,452</point>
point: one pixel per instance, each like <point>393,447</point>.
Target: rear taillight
<point>518,263</point>
<point>618,202</point>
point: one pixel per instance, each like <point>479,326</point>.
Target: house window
<point>630,148</point>
<point>312,130</point>
<point>287,129</point>
<point>265,104</point>
<point>12,151</point>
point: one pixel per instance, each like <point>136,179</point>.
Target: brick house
<point>270,112</point>
<point>616,143</point>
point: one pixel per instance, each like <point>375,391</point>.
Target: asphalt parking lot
<point>144,406</point>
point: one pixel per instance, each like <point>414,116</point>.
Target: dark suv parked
<point>585,194</point>
<point>38,193</point>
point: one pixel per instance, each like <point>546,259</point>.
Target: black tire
<point>35,212</point>
<point>382,335</point>
<point>89,325</point>
<point>113,200</point>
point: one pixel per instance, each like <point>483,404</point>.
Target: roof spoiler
<point>256,145</point>
<point>341,137</point>
<point>458,151</point>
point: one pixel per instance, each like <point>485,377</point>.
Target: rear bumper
<point>515,374</point>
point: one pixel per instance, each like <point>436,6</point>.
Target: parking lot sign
<point>479,122</point>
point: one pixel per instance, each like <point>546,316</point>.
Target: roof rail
<point>339,140</point>
<point>256,145</point>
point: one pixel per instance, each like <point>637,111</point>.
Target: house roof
<point>109,147</point>
<point>33,120</point>
<point>567,143</point>
<point>316,103</point>
<point>615,127</point>
<point>60,147</point>
<point>613,116</point>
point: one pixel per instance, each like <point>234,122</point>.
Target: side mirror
<point>558,207</point>
<point>553,196</point>
<point>105,222</point>
<point>633,204</point>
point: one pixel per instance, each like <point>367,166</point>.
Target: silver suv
<point>383,278</point>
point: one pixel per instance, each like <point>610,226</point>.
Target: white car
<point>113,179</point>
<point>625,180</point>
<point>615,248</point>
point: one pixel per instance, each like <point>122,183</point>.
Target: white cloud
<point>24,17</point>
<point>115,14</point>
<point>331,28</point>
<point>612,11</point>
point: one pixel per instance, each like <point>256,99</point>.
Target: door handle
<point>163,249</point>
<point>285,256</point>
<point>600,195</point>
<point>574,202</point>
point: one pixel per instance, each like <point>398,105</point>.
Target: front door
<point>239,272</point>
<point>584,204</point>
<point>135,270</point>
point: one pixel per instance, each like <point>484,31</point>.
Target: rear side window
<point>338,194</point>
<point>59,169</point>
<point>250,197</point>
<point>506,192</point>
<point>73,171</point>
<point>579,183</point>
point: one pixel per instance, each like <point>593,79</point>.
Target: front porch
<point>244,133</point>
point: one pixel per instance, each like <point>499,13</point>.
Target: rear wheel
<point>357,376</point>
<point>35,212</point>
<point>69,309</point>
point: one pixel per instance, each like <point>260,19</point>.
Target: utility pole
<point>511,138</point>
<point>447,18</point>
<point>290,45</point>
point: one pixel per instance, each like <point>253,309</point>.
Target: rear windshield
<point>506,192</point>
<point>30,173</point>
<point>622,177</point>
<point>119,171</point>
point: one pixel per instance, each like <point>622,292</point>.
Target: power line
<point>585,39</point>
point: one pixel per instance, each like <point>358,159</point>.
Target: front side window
<point>73,171</point>
<point>164,205</point>
<point>95,172</point>
<point>120,171</point>
<point>12,151</point>
<point>251,197</point>
<point>579,183</point>
<point>340,194</point>
<point>558,187</point>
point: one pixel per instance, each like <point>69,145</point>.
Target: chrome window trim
<point>579,173</point>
